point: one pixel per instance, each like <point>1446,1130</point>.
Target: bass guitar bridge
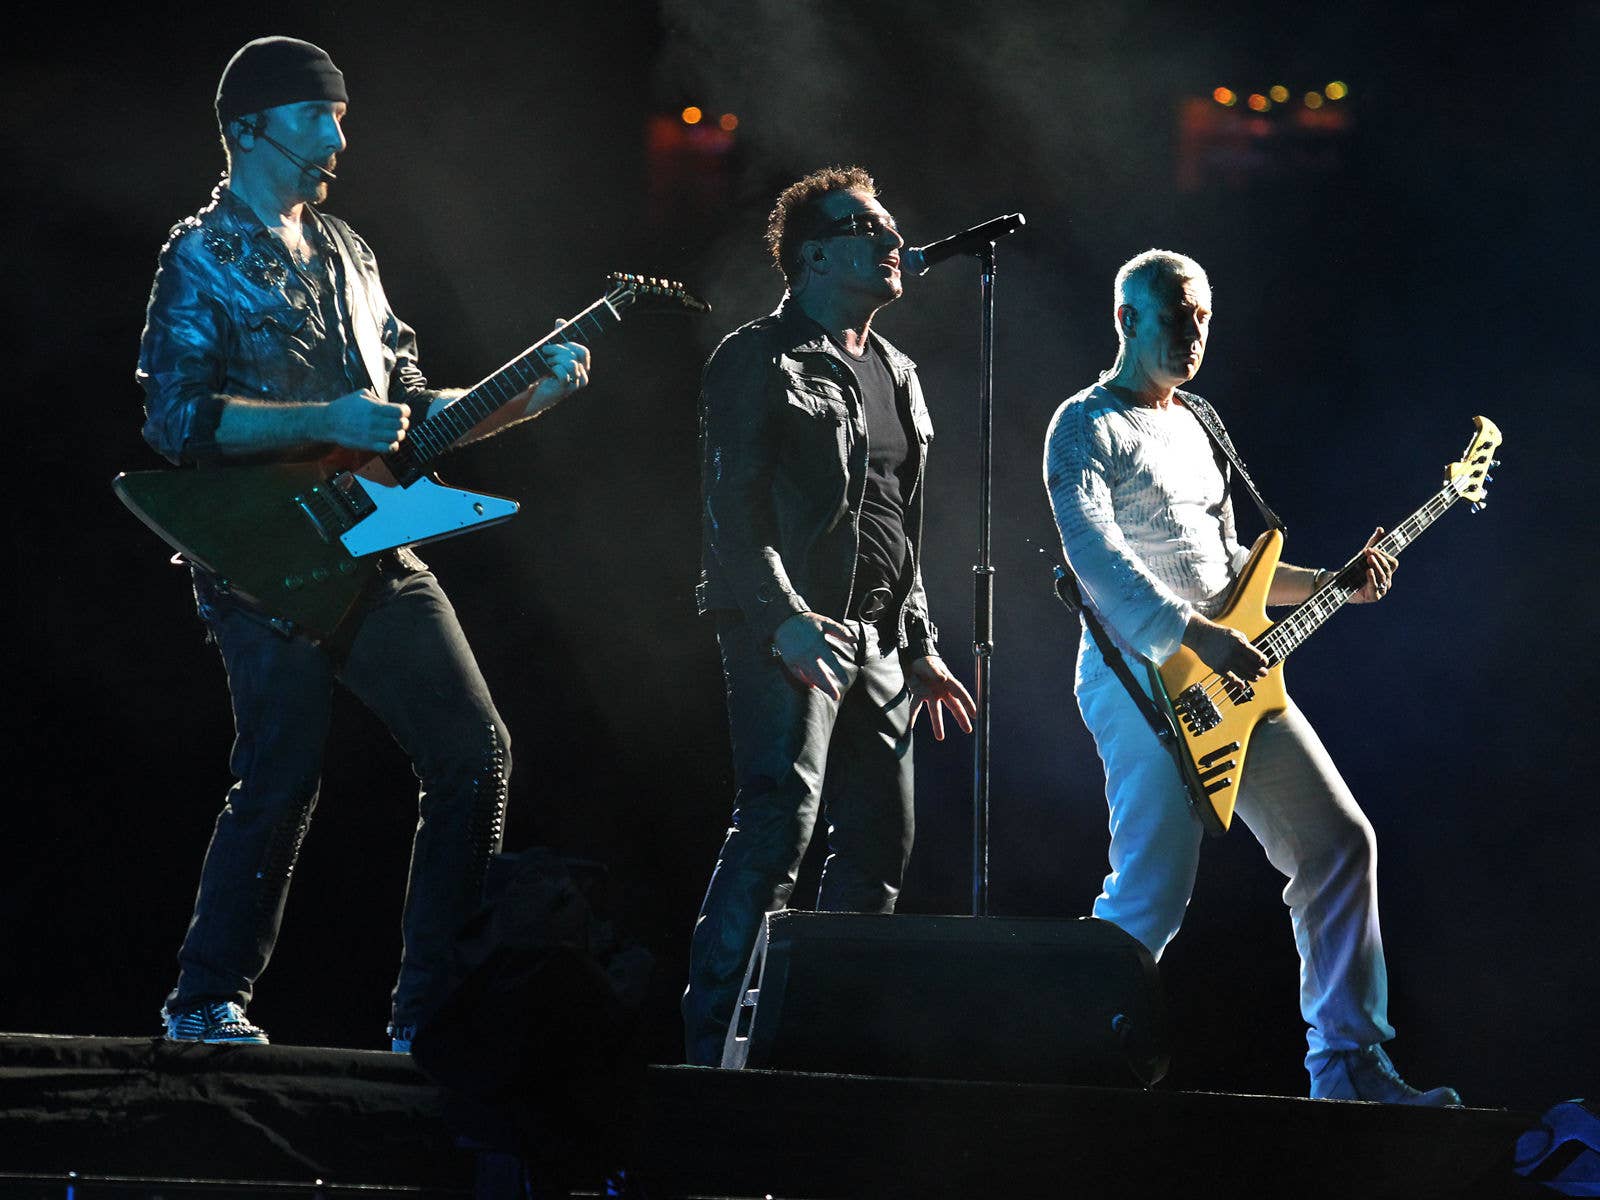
<point>1196,710</point>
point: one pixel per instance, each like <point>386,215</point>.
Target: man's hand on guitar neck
<point>1293,585</point>
<point>568,364</point>
<point>1226,651</point>
<point>1381,566</point>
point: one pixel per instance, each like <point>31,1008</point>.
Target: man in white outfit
<point>1142,504</point>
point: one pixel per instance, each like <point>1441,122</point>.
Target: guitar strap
<point>1218,433</point>
<point>1160,722</point>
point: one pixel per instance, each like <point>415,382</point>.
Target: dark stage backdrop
<point>1374,290</point>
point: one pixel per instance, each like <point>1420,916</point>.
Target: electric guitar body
<point>1216,736</point>
<point>271,535</point>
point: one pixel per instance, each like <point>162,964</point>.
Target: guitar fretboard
<point>1277,642</point>
<point>428,440</point>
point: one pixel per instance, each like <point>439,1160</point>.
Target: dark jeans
<point>796,752</point>
<point>409,662</point>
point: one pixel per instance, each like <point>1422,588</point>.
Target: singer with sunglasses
<point>815,438</point>
<point>268,336</point>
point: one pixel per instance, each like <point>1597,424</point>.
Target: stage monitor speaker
<point>976,998</point>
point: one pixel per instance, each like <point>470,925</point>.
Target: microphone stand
<point>983,592</point>
<point>980,240</point>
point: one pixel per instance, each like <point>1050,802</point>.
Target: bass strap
<point>1159,720</point>
<point>1218,433</point>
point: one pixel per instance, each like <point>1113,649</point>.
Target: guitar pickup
<point>352,496</point>
<point>1213,768</point>
<point>333,507</point>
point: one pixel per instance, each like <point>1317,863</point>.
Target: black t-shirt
<point>884,557</point>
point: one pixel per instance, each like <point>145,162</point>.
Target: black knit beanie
<point>276,70</point>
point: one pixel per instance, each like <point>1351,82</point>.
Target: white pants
<point>1292,799</point>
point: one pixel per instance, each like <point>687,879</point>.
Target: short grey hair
<point>1137,277</point>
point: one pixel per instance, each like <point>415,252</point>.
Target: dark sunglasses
<point>858,225</point>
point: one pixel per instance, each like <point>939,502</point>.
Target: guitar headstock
<point>661,294</point>
<point>1470,476</point>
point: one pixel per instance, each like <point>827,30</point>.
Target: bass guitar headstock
<point>664,295</point>
<point>1470,476</point>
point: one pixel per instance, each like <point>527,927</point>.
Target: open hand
<point>932,686</point>
<point>813,649</point>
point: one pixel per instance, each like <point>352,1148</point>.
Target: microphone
<point>916,260</point>
<point>305,164</point>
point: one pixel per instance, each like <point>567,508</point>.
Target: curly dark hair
<point>794,216</point>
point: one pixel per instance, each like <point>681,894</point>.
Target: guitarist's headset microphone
<point>305,164</point>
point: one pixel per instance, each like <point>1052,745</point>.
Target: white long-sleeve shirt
<point>1145,517</point>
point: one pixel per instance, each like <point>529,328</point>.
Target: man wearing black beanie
<point>268,336</point>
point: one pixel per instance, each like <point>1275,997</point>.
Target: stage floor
<point>88,1117</point>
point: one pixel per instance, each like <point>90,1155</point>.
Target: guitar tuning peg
<point>1488,478</point>
<point>1475,508</point>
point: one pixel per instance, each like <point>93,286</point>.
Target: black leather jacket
<point>228,316</point>
<point>784,444</point>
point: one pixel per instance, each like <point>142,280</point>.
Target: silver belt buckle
<point>874,604</point>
